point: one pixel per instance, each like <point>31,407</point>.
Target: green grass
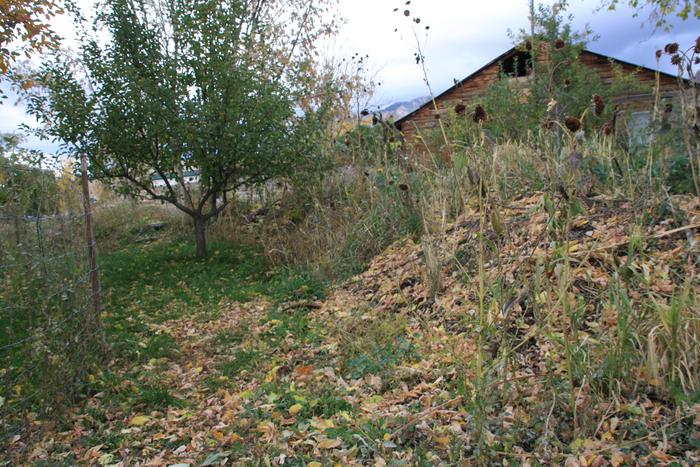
<point>153,283</point>
<point>148,284</point>
<point>163,279</point>
<point>227,339</point>
<point>242,360</point>
<point>158,397</point>
<point>160,346</point>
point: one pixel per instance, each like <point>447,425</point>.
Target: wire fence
<point>50,331</point>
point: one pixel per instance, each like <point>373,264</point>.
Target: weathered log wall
<point>467,93</point>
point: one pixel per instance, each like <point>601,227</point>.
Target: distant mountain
<point>399,109</point>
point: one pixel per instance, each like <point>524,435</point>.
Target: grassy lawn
<point>149,288</point>
<point>153,283</point>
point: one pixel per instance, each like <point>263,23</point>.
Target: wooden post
<point>90,239</point>
<point>533,52</point>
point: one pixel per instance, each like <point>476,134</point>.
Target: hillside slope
<point>514,403</point>
<point>579,350</point>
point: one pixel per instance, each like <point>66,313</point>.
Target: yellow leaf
<point>271,375</point>
<point>295,409</point>
<point>442,441</point>
<point>323,424</point>
<point>139,420</point>
<point>387,437</point>
<point>617,460</point>
<point>265,427</point>
<point>106,459</point>
<point>329,443</point>
<point>304,370</point>
<point>314,464</point>
<point>580,222</point>
<point>198,369</point>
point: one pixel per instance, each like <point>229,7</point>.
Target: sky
<point>463,36</point>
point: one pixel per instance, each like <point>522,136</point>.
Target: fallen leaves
<point>139,420</point>
<point>297,403</point>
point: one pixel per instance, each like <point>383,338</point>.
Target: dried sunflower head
<point>598,105</point>
<point>608,129</point>
<point>479,114</point>
<point>671,48</point>
<point>460,109</point>
<point>573,124</point>
<point>559,44</point>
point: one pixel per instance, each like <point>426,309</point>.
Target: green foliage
<point>375,347</point>
<point>197,87</point>
<point>381,357</point>
<point>661,10</point>
<point>559,87</point>
<point>26,189</point>
<point>153,283</point>
<point>160,346</point>
<point>242,360</point>
<point>158,397</point>
<point>50,335</point>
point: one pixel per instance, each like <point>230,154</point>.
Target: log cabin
<point>515,64</point>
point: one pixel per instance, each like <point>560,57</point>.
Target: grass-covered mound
<point>554,335</point>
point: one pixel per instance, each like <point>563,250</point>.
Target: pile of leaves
<point>550,335</point>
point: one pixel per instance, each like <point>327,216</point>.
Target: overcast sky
<point>463,36</point>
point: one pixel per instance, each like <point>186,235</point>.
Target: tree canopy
<point>186,86</point>
<point>662,10</point>
<point>25,29</point>
<point>26,189</point>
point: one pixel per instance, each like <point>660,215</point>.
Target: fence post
<point>90,239</point>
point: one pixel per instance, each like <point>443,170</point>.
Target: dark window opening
<point>517,65</point>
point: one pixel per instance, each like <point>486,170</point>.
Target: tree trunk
<point>213,205</point>
<point>200,237</point>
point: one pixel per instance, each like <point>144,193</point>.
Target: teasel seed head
<point>573,124</point>
<point>598,105</point>
<point>479,114</point>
